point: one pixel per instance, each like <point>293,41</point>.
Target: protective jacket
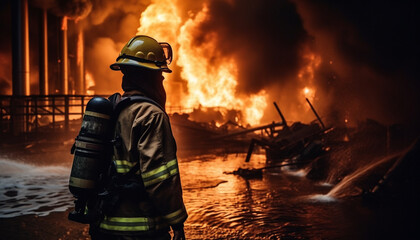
<point>143,135</point>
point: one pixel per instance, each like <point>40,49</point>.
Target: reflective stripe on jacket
<point>146,137</point>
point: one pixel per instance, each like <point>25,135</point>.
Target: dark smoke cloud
<point>69,8</point>
<point>107,28</point>
<point>265,37</point>
<point>369,52</point>
<point>373,47</point>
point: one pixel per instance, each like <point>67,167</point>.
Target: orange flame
<point>90,82</point>
<point>209,84</point>
<point>307,76</point>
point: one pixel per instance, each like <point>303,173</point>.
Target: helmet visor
<point>167,49</point>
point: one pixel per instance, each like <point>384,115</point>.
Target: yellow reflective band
<point>124,162</point>
<point>159,169</point>
<point>160,178</point>
<point>176,217</point>
<point>126,223</point>
<point>123,166</point>
<point>96,114</point>
<point>179,219</point>
<point>171,215</point>
<point>123,170</point>
<point>127,220</point>
<point>123,228</point>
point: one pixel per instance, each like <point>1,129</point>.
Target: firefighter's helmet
<point>144,51</point>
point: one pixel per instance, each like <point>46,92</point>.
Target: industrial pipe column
<point>20,65</point>
<point>20,48</point>
<point>80,78</point>
<point>43,54</point>
<point>64,57</point>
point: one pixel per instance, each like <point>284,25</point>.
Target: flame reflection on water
<point>225,206</point>
<point>220,206</point>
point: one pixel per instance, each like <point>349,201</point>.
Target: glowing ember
<point>308,93</point>
<point>210,84</point>
<point>307,76</point>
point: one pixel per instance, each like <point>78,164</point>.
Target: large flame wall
<point>351,59</point>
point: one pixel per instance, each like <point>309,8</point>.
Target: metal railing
<point>29,113</point>
<point>46,112</point>
<point>24,114</point>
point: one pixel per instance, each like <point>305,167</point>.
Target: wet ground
<point>34,202</point>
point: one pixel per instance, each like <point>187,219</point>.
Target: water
<point>220,206</point>
<point>281,205</point>
<point>28,189</point>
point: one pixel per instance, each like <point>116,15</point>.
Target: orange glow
<point>80,48</point>
<point>309,93</point>
<point>209,84</point>
<point>64,23</point>
<point>161,21</point>
<point>307,76</point>
<point>90,82</point>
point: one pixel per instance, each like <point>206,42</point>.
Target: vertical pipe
<point>64,57</point>
<point>20,65</point>
<point>20,48</point>
<point>66,112</point>
<point>80,78</point>
<point>43,54</point>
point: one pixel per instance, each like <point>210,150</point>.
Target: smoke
<point>107,28</point>
<point>368,51</point>
<point>267,41</point>
<point>103,52</point>
<point>265,37</point>
<point>369,54</point>
<point>371,50</point>
<point>5,73</point>
<point>5,50</point>
<point>70,8</point>
<point>107,25</point>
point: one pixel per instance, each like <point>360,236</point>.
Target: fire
<point>210,84</point>
<point>309,93</point>
<point>90,82</point>
<point>161,21</point>
<point>307,76</point>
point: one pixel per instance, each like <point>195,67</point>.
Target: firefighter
<point>147,200</point>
